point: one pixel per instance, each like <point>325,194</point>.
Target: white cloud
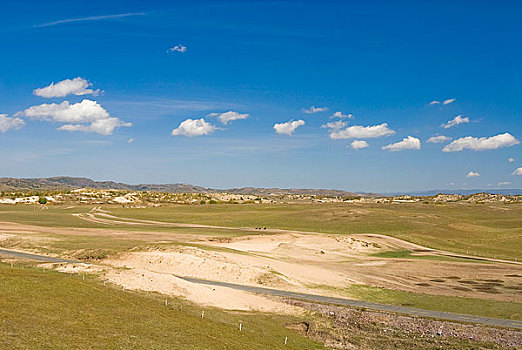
<point>455,121</point>
<point>341,116</point>
<point>434,102</point>
<point>438,139</point>
<point>131,140</point>
<point>358,131</point>
<point>481,144</point>
<point>409,142</point>
<point>504,183</point>
<point>194,127</point>
<point>91,18</point>
<point>518,171</point>
<point>83,112</point>
<point>101,126</point>
<point>511,160</point>
<point>359,144</point>
<point>339,124</point>
<point>229,116</point>
<point>86,116</point>
<point>178,48</point>
<point>77,86</point>
<point>314,109</point>
<point>7,123</point>
<point>473,174</point>
<point>448,101</point>
<point>289,127</point>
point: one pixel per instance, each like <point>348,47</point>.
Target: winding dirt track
<point>102,217</point>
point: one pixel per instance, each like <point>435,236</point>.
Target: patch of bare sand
<point>195,262</point>
<point>304,246</point>
<point>339,260</point>
<point>78,268</point>
<point>222,297</point>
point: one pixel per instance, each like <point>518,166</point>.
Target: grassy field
<point>51,310</point>
<point>493,230</point>
<point>470,306</point>
<point>485,230</point>
<point>408,254</point>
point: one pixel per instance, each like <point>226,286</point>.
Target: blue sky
<point>380,64</point>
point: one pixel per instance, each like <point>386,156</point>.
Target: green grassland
<point>487,230</point>
<point>408,254</point>
<point>51,310</point>
<point>469,306</point>
<point>59,311</point>
<point>490,230</point>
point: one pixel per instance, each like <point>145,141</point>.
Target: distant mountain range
<point>66,182</point>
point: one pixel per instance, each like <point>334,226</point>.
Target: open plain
<point>455,257</point>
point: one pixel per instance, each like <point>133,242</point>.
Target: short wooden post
<point>286,340</point>
<point>240,326</point>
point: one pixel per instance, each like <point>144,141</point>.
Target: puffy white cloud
<point>339,124</point>
<point>86,116</point>
<point>77,86</point>
<point>511,160</point>
<point>481,144</point>
<point>101,126</point>
<point>341,115</point>
<point>473,174</point>
<point>82,112</point>
<point>178,48</point>
<point>455,121</point>
<point>518,171</point>
<point>504,183</point>
<point>358,131</point>
<point>434,102</point>
<point>229,116</point>
<point>7,123</point>
<point>438,139</point>
<point>194,127</point>
<point>314,109</point>
<point>409,142</point>
<point>359,144</point>
<point>289,127</point>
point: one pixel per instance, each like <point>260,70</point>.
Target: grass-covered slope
<point>51,310</point>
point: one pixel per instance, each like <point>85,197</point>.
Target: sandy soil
<point>222,297</point>
<point>338,260</point>
<point>317,263</point>
<point>289,260</point>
